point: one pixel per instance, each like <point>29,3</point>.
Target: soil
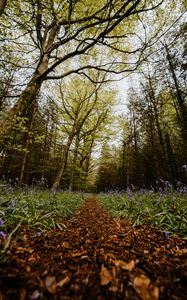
<point>95,257</point>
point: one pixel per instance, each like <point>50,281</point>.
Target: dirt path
<point>96,257</point>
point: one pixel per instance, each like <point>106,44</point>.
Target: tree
<point>180,97</point>
<point>2,6</point>
<point>107,174</point>
<point>62,33</point>
<point>79,103</point>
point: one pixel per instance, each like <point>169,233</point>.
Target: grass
<point>37,209</point>
<point>166,212</point>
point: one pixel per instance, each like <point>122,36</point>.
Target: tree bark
<point>20,109</point>
<point>153,101</point>
<point>27,145</point>
<point>71,183</point>
<point>2,6</point>
<point>27,97</point>
<point>180,98</point>
<point>63,165</point>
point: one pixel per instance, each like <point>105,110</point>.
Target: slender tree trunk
<point>88,159</point>
<point>87,166</point>
<point>23,166</point>
<point>128,167</point>
<point>2,6</point>
<point>153,100</point>
<point>122,175</point>
<point>154,158</point>
<point>71,183</point>
<point>180,98</point>
<point>135,137</point>
<point>63,165</point>
<point>49,136</point>
<point>27,144</point>
<point>45,148</point>
<point>171,159</point>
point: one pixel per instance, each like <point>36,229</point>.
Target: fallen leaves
<point>110,258</point>
<point>145,289</point>
<point>23,250</point>
<point>78,254</point>
<point>64,281</point>
<point>110,261</point>
<point>35,295</point>
<point>180,252</point>
<point>125,266</point>
<point>105,276</point>
<point>66,245</point>
<point>50,284</point>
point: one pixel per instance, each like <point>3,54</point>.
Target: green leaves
<point>166,212</point>
<point>36,209</point>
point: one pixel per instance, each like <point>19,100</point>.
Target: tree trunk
<point>27,144</point>
<point>153,100</point>
<point>180,98</point>
<point>25,101</point>
<point>154,157</point>
<point>63,165</point>
<point>2,6</point>
<point>123,183</point>
<point>136,175</point>
<point>173,172</point>
<point>71,183</point>
<point>20,109</point>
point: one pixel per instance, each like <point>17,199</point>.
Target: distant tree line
<point>154,140</point>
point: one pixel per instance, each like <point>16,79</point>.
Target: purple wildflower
<point>1,222</point>
<point>39,234</point>
<point>166,235</point>
<point>129,192</point>
<point>3,235</point>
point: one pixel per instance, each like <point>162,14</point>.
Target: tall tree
<point>180,97</point>
<point>79,104</point>
<point>2,6</point>
<point>62,33</point>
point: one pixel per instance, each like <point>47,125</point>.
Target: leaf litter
<point>95,257</point>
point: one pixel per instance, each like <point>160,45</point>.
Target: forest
<point>67,122</point>
<point>93,149</point>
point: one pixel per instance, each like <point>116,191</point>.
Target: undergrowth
<point>167,212</point>
<point>35,208</point>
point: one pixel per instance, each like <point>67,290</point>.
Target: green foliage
<point>41,210</point>
<point>166,212</point>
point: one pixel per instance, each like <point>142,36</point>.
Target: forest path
<point>96,257</point>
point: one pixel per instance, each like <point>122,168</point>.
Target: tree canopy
<point>59,61</point>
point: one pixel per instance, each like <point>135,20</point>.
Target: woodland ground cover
<point>35,209</point>
<point>43,210</point>
<point>98,257</point>
<point>166,211</point>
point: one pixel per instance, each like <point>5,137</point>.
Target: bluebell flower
<point>166,235</point>
<point>129,192</point>
<point>1,222</point>
<point>39,234</point>
<point>3,235</point>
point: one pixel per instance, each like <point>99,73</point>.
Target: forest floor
<point>95,257</point>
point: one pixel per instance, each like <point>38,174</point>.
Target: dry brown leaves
<point>96,257</point>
